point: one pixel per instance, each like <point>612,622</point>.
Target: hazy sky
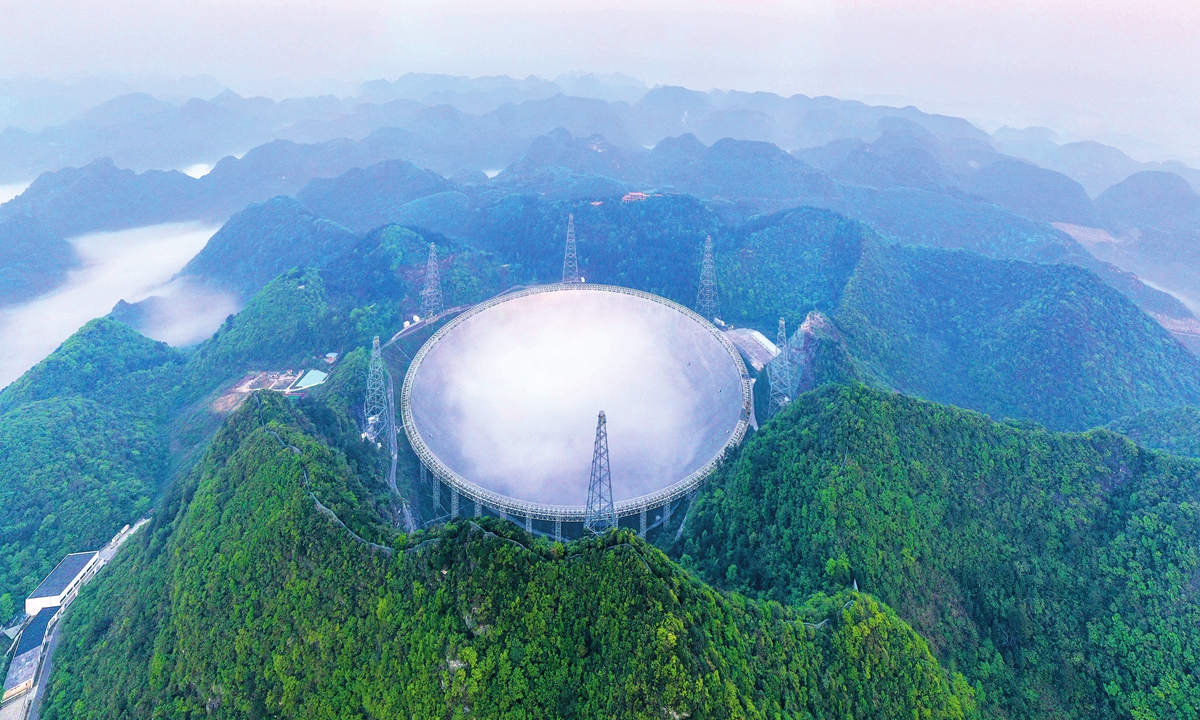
<point>1098,68</point>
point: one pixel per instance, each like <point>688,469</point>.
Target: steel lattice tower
<point>779,373</point>
<point>600,513</point>
<point>431,294</point>
<point>706,298</point>
<point>570,258</point>
<point>375,406</point>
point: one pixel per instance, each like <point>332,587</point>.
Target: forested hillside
<point>243,599</point>
<point>1175,430</point>
<point>262,241</point>
<point>33,259</point>
<point>363,199</point>
<point>1029,548</point>
<point>1057,572</point>
<point>1042,342</point>
<point>1045,342</point>
<point>91,434</point>
<point>83,450</point>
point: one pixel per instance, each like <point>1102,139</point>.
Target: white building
<point>63,582</point>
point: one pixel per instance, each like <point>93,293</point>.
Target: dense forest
<point>33,259</point>
<point>83,450</point>
<point>1056,572</point>
<point>92,434</point>
<point>866,554</point>
<point>243,599</point>
<point>948,325</point>
<point>1175,430</point>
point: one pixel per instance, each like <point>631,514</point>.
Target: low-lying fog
<point>8,191</point>
<point>130,265</point>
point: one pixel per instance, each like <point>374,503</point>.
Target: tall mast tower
<point>379,409</point>
<point>570,259</point>
<point>375,405</point>
<point>779,373</point>
<point>600,513</point>
<point>431,294</point>
<point>706,298</point>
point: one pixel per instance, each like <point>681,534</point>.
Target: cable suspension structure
<point>601,512</point>
<point>431,294</point>
<point>375,405</point>
<point>779,373</point>
<point>379,411</point>
<point>706,298</point>
<point>570,257</point>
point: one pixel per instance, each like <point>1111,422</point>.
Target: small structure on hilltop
<point>309,380</point>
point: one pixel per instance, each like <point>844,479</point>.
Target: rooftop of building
<point>311,379</point>
<point>61,576</point>
<point>35,631</point>
<point>754,346</point>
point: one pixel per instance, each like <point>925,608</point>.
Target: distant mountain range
<point>1092,164</point>
<point>141,132</point>
<point>909,184</point>
<point>914,177</point>
<point>895,168</point>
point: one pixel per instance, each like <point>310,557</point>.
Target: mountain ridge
<point>448,617</point>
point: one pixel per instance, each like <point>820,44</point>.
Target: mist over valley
<point>129,265</point>
<point>823,361</point>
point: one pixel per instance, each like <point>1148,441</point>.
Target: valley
<point>124,265</point>
<point>960,478</point>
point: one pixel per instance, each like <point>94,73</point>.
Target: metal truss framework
<point>379,412</point>
<point>570,257</point>
<point>375,404</point>
<point>431,294</point>
<point>706,297</point>
<point>568,513</point>
<point>600,514</point>
<point>779,373</point>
